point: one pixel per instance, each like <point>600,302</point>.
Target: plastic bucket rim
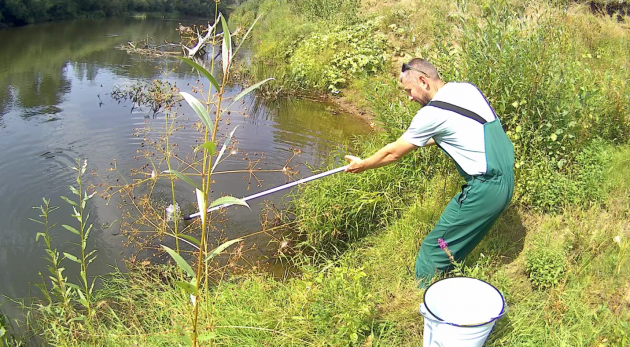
<point>503,308</point>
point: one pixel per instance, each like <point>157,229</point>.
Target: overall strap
<point>459,110</point>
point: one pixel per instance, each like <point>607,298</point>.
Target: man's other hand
<point>356,165</point>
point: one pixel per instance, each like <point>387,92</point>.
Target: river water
<point>55,80</point>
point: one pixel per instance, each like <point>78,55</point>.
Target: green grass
<point>368,293</point>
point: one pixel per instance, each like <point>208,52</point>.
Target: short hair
<point>426,67</point>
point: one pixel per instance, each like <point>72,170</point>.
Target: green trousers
<point>470,214</point>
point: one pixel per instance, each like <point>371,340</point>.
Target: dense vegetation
<point>21,12</point>
<point>557,76</point>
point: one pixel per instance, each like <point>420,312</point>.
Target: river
<point>55,80</point>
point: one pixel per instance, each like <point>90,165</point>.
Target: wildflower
<point>444,246</point>
<point>618,239</point>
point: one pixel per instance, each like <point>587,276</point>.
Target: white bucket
<point>460,312</point>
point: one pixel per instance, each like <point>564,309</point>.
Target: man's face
<point>417,87</point>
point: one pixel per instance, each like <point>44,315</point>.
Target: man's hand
<point>355,165</point>
<point>384,156</point>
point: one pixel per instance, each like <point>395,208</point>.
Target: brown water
<point>54,107</point>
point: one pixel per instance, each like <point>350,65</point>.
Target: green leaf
<point>74,190</point>
<point>203,71</point>
<point>87,232</point>
<point>88,197</point>
<point>221,248</point>
<point>248,90</point>
<point>191,239</point>
<point>189,288</point>
<point>202,203</point>
<point>199,109</point>
<point>246,34</point>
<point>71,229</point>
<point>180,261</point>
<point>207,336</point>
<point>38,235</point>
<point>72,257</point>
<point>227,46</point>
<point>79,318</point>
<point>37,221</point>
<point>209,146</point>
<point>228,200</point>
<point>70,201</point>
<point>225,144</point>
<point>182,177</point>
<point>554,137</point>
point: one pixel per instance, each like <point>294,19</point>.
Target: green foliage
<point>549,186</point>
<point>59,290</point>
<point>331,11</point>
<point>548,91</point>
<point>368,295</point>
<point>304,54</point>
<point>545,266</point>
<point>21,12</point>
<point>328,60</point>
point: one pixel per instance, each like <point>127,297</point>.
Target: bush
<point>327,60</point>
<point>545,266</point>
<point>332,11</point>
<point>553,97</point>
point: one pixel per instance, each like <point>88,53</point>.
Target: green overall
<point>470,214</point>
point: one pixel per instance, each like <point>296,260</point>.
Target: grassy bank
<point>367,296</point>
<point>558,78</point>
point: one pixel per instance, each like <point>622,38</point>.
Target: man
<point>457,118</point>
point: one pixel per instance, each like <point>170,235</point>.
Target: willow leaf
<point>180,261</point>
<point>203,71</point>
<point>199,109</point>
<point>221,248</point>
<point>227,46</point>
<point>182,177</point>
<point>249,90</point>
<point>225,144</point>
<point>228,200</point>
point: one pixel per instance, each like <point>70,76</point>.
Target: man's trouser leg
<point>465,221</point>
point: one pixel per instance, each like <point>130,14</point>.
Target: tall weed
<point>551,98</point>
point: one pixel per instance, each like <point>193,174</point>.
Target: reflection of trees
<point>34,59</point>
<point>305,123</point>
<point>5,98</point>
<point>40,91</point>
<point>20,12</point>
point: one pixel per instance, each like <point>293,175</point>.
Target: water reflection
<point>54,107</point>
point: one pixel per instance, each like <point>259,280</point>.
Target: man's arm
<point>386,155</point>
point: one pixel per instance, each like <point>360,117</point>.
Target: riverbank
<point>565,278</point>
<point>558,78</point>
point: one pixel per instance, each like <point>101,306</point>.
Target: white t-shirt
<point>461,137</point>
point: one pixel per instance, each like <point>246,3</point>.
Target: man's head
<point>421,80</point>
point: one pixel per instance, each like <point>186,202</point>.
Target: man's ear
<point>423,82</point>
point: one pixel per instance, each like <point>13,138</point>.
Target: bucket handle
<point>425,313</point>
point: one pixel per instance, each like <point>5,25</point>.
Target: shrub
<point>551,95</point>
<point>332,11</point>
<point>327,59</point>
<point>545,266</point>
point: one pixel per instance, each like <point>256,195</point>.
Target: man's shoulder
<point>456,90</point>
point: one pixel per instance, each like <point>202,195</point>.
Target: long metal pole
<point>273,190</point>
